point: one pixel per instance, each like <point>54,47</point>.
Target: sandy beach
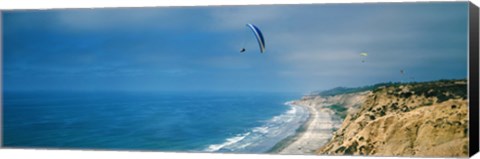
<point>316,131</point>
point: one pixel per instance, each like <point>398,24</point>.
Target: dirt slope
<point>418,119</point>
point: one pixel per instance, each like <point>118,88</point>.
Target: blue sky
<point>308,47</point>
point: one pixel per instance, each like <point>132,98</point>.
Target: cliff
<point>340,104</point>
<point>414,119</point>
<point>322,121</point>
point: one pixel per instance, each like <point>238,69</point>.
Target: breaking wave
<point>265,137</point>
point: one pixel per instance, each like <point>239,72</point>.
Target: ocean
<point>147,121</point>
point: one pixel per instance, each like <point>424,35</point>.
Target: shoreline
<point>266,138</point>
<point>280,146</point>
<point>312,135</point>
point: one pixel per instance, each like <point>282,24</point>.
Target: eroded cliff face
<point>421,119</point>
<point>347,103</point>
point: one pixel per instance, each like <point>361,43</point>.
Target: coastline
<point>289,140</point>
<point>313,134</point>
<point>265,138</point>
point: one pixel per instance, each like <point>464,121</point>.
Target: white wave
<point>244,145</point>
<point>275,129</point>
<point>289,102</point>
<point>263,129</point>
<point>292,111</point>
<point>228,142</point>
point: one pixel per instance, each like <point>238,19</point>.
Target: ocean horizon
<point>241,122</point>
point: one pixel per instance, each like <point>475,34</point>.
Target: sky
<point>308,47</point>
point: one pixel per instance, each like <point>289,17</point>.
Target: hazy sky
<point>308,47</point>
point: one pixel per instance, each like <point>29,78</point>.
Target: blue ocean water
<point>192,122</point>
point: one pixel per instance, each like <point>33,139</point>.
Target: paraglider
<point>243,50</point>
<point>258,35</point>
<point>364,54</point>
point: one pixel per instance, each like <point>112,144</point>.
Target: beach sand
<point>314,134</point>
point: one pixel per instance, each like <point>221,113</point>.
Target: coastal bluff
<point>427,119</point>
<point>324,119</point>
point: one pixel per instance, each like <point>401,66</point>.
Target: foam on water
<point>229,142</point>
<point>263,138</point>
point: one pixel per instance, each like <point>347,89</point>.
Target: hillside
<point>325,118</point>
<point>413,119</point>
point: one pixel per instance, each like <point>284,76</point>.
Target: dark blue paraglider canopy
<point>259,36</point>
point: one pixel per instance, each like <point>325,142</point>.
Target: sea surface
<point>174,121</point>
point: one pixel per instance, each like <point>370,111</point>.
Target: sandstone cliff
<point>340,104</point>
<point>416,119</point>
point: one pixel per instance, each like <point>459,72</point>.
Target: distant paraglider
<point>258,35</point>
<point>364,55</point>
